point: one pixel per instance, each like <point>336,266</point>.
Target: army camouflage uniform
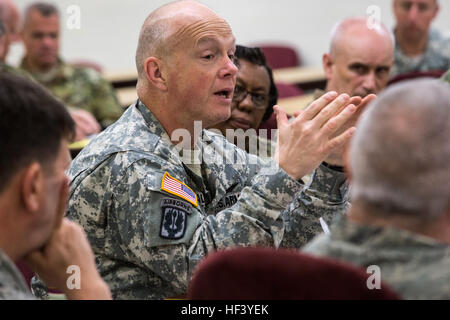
<point>80,87</point>
<point>415,266</point>
<point>446,76</point>
<point>147,240</point>
<point>11,70</point>
<point>12,284</point>
<point>436,57</point>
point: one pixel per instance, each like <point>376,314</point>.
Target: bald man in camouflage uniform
<point>400,215</point>
<point>150,212</point>
<point>77,87</point>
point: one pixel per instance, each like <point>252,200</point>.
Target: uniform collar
<point>59,72</point>
<point>382,237</point>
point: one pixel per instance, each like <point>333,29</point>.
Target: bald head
<point>358,28</point>
<point>168,26</point>
<point>360,58</point>
<point>400,153</point>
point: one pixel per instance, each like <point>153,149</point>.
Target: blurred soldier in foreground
<point>400,173</point>
<point>34,131</point>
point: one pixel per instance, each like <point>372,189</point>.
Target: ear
<point>33,187</point>
<point>327,64</point>
<point>154,73</point>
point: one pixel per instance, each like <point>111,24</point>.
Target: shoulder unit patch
<point>173,220</point>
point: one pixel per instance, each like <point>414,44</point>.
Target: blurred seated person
<point>34,131</point>
<point>399,220</point>
<point>8,26</point>
<point>254,96</point>
<point>77,87</point>
<point>85,122</point>
<point>418,47</point>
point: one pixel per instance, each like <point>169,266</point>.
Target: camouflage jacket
<point>436,57</point>
<point>12,284</point>
<point>9,69</point>
<point>446,76</point>
<point>415,266</point>
<point>150,219</point>
<point>80,87</point>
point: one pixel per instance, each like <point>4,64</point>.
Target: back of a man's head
<point>399,156</point>
<point>32,126</point>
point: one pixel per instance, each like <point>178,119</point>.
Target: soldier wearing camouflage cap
<point>151,211</point>
<point>78,87</point>
<point>400,190</point>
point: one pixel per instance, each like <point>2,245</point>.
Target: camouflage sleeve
<point>326,197</point>
<point>142,218</point>
<point>104,103</point>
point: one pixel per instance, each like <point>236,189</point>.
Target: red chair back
<point>269,274</point>
<point>281,56</point>
<point>415,75</point>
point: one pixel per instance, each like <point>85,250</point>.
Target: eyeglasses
<point>259,100</point>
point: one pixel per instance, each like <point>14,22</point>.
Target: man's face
<point>251,97</point>
<point>41,39</point>
<point>55,178</point>
<point>201,72</point>
<point>360,66</point>
<point>414,17</point>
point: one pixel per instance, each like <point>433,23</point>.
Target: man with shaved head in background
<point>151,208</point>
<point>358,63</point>
<point>418,48</point>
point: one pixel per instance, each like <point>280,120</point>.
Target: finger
<point>368,99</point>
<point>331,110</point>
<point>297,113</point>
<point>282,118</point>
<point>337,122</point>
<point>356,100</point>
<point>314,108</point>
<point>341,140</point>
<point>62,205</point>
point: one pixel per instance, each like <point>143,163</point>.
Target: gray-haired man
<point>400,172</point>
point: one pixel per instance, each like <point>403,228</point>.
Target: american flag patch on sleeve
<point>178,188</point>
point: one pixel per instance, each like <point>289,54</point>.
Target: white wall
<point>110,28</point>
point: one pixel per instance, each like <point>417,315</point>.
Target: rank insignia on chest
<point>178,188</point>
<point>173,220</point>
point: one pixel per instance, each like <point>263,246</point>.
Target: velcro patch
<point>178,188</point>
<point>174,218</point>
